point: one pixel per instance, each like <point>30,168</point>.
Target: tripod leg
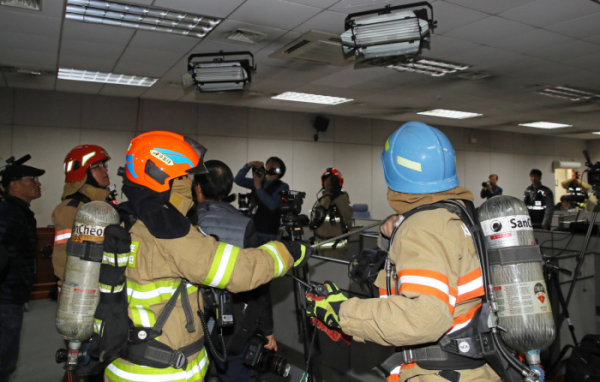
<point>564,306</point>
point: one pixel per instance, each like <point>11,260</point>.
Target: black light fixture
<point>217,72</point>
<point>390,35</point>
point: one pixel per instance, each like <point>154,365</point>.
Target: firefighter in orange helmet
<point>170,256</point>
<point>86,180</point>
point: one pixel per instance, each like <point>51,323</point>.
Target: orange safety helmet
<point>334,173</point>
<point>156,157</point>
<point>79,159</point>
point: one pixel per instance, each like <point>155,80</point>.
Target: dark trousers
<point>234,370</point>
<point>11,322</point>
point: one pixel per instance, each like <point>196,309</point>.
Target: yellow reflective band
<point>409,164</point>
<point>135,245</point>
<point>195,371</point>
<point>105,288</point>
<point>109,258</point>
<point>153,293</point>
<point>278,262</point>
<point>98,326</point>
<point>222,266</point>
<point>387,145</point>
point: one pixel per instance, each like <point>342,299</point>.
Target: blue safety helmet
<point>419,159</point>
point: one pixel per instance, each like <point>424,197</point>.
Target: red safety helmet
<point>79,159</point>
<point>335,176</point>
<point>154,158</point>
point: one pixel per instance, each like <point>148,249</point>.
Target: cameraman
<point>332,214</point>
<point>253,310</point>
<point>265,194</point>
<point>576,189</point>
<point>490,188</point>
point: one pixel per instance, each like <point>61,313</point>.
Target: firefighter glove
<point>325,306</point>
<point>301,251</point>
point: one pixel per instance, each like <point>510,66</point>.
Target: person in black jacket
<point>17,247</point>
<point>266,198</point>
<point>253,310</point>
<point>539,200</point>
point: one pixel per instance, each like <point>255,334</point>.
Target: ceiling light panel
<point>443,113</point>
<point>570,93</point>
<point>106,78</point>
<point>545,125</point>
<point>311,98</point>
<point>434,68</point>
<point>33,5</point>
<point>140,17</point>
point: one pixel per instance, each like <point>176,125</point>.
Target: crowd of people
<point>173,240</point>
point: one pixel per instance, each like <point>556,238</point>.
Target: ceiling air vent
<point>33,5</point>
<point>249,37</point>
<point>314,46</point>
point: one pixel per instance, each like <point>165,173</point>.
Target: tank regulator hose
<point>211,346</point>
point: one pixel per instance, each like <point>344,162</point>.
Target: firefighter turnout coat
<point>439,286</point>
<point>63,217</point>
<point>155,269</point>
<point>342,221</point>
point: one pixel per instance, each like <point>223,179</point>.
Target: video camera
<point>261,359</point>
<point>290,208</point>
<point>245,204</point>
<point>593,172</point>
<point>486,184</point>
<point>261,171</point>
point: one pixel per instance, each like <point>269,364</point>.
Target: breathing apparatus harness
<point>319,214</point>
<point>477,343</point>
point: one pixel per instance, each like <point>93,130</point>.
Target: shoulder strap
<point>76,198</point>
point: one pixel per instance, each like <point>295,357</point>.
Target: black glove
<point>301,251</point>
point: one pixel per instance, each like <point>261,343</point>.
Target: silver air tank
<point>517,277</point>
<point>80,291</point>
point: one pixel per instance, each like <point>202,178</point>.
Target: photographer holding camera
<point>332,214</point>
<point>266,186</point>
<point>490,188</point>
<point>253,310</point>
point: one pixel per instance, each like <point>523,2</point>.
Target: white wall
<point>48,124</point>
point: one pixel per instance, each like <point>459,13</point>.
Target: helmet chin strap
<point>90,179</point>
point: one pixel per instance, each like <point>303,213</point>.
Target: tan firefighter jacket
<point>439,280</point>
<point>155,269</point>
<point>344,214</point>
<point>62,219</point>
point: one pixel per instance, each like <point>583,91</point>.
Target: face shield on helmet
<point>79,159</point>
<point>155,158</point>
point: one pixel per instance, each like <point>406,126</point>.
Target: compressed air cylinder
<point>80,291</point>
<point>516,274</point>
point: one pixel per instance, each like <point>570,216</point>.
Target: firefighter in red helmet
<point>86,180</point>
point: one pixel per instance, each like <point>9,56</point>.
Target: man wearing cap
<point>20,185</point>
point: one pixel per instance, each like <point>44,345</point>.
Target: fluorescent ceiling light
<point>106,78</point>
<point>389,35</point>
<point>545,125</point>
<point>442,113</point>
<point>311,98</point>
<point>434,68</point>
<point>33,5</point>
<point>140,17</point>
<point>216,72</point>
<point>566,92</point>
<point>596,132</point>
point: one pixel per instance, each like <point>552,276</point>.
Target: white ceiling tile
<point>544,72</point>
<point>215,8</point>
<point>491,6</point>
<point>579,28</point>
<point>226,27</point>
<point>122,90</point>
<point>590,62</point>
<point>579,78</point>
<point>450,16</point>
<point>52,8</point>
<point>549,12</point>
<point>101,34</point>
<point>530,40</point>
<point>566,51</point>
<point>160,91</point>
<point>274,13</point>
<point>91,49</point>
<point>18,80</point>
<point>78,86</point>
<point>326,21</point>
<point>489,29</point>
<point>29,23</point>
<point>28,59</point>
<point>442,46</point>
<point>151,56</point>
<point>480,56</point>
<point>593,39</point>
<point>28,41</point>
<point>86,63</point>
<point>163,41</point>
<point>323,4</point>
<point>141,68</point>
<point>263,55</point>
<point>355,6</point>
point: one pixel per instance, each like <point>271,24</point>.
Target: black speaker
<point>321,123</point>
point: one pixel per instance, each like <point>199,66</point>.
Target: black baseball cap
<point>18,171</point>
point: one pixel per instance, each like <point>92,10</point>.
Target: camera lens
<point>278,365</point>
